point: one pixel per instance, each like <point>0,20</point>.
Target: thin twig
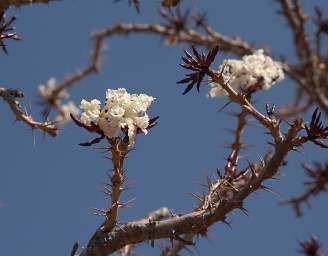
<point>236,146</point>
<point>93,67</point>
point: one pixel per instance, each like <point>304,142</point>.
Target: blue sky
<point>48,188</point>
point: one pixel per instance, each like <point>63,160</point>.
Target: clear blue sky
<point>48,189</point>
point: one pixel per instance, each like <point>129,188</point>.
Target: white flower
<point>247,72</point>
<point>64,113</point>
<point>91,111</point>
<point>47,90</point>
<point>122,110</point>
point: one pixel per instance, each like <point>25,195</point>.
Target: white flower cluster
<point>64,110</point>
<point>122,110</point>
<point>46,90</point>
<point>247,72</point>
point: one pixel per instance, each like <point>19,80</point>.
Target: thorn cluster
<point>311,247</point>
<point>321,22</point>
<point>270,110</point>
<point>316,130</point>
<point>199,65</point>
<point>6,31</point>
<point>175,21</point>
<point>200,20</point>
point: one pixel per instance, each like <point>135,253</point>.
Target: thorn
<point>74,248</point>
<point>244,210</point>
<point>231,131</point>
<point>226,222</point>
<point>297,150</point>
<point>209,182</point>
<point>98,212</point>
<point>252,169</point>
<point>224,106</point>
<point>233,113</point>
<point>271,144</point>
<point>219,173</point>
<point>127,204</point>
<point>270,190</point>
<point>201,199</point>
<point>262,160</point>
<point>33,136</point>
<point>180,239</point>
<point>203,185</point>
<point>107,191</point>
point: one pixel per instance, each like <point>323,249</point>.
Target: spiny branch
<point>311,247</point>
<point>119,150</point>
<point>177,246</point>
<point>7,31</point>
<point>10,95</point>
<point>193,222</point>
<point>237,145</point>
<point>156,215</point>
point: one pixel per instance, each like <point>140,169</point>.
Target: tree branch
<point>225,194</point>
<point>193,222</point>
<point>10,95</point>
<point>227,44</point>
<point>4,4</point>
<point>237,145</point>
<point>156,215</point>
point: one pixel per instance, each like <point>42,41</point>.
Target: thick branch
<point>193,222</point>
<point>156,215</point>
<point>177,246</point>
